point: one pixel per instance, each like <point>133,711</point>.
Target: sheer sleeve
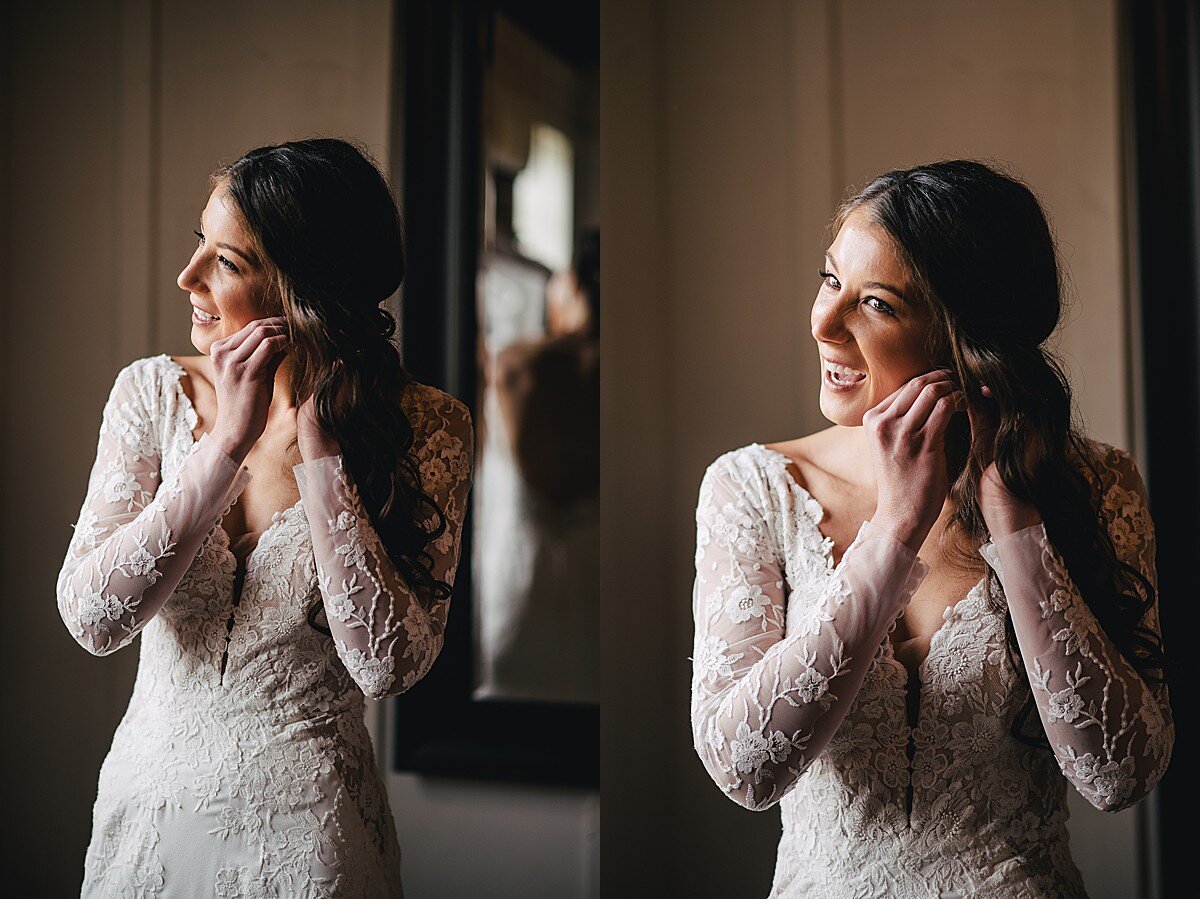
<point>381,632</point>
<point>766,701</point>
<point>135,538</point>
<point>1110,729</point>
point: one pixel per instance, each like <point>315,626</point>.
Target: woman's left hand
<point>1003,512</point>
<point>314,442</point>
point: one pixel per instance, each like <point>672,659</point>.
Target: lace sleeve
<point>765,702</point>
<point>1111,731</point>
<point>135,538</point>
<point>380,631</point>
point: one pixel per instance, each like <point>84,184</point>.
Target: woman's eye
<point>882,306</point>
<point>830,279</point>
<point>225,263</point>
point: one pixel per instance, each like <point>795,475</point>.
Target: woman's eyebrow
<point>876,285</point>
<point>249,257</point>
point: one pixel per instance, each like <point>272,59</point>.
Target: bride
<point>279,517</point>
<point>881,606</point>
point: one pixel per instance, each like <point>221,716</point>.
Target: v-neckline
<point>913,693</point>
<point>241,570</point>
<point>191,416</point>
<point>810,504</point>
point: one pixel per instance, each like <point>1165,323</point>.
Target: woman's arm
<point>380,631</point>
<point>135,538</point>
<point>765,702</point>
<point>1111,731</point>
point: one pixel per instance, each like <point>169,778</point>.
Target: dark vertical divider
<point>1161,57</point>
<point>441,140</point>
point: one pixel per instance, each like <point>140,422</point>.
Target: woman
<point>855,661</point>
<point>280,516</point>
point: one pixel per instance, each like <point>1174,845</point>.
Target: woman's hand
<point>1002,512</point>
<point>314,442</point>
<point>906,433</point>
<point>244,366</point>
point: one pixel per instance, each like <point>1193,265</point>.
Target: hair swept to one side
<point>981,253</point>
<point>324,219</point>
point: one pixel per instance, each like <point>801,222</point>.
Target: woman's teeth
<point>842,375</point>
<point>203,318</point>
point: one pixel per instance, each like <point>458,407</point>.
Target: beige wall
<point>115,115</point>
<point>730,131</point>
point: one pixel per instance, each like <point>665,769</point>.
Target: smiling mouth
<point>842,375</point>
<point>204,318</point>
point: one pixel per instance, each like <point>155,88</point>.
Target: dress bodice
<point>243,765</point>
<point>798,699</point>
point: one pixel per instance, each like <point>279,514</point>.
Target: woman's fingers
<point>268,353</point>
<point>235,339</point>
<point>939,394</point>
<point>900,402</point>
<point>261,330</point>
<point>933,381</point>
<point>941,414</point>
<point>902,399</point>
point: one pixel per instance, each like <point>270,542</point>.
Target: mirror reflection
<point>537,502</point>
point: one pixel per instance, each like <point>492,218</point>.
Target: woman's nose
<point>827,322</point>
<point>187,278</point>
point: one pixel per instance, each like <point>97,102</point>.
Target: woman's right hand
<point>244,366</point>
<point>906,433</point>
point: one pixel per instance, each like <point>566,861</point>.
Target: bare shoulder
<point>196,367</point>
<point>816,457</point>
<point>198,386</point>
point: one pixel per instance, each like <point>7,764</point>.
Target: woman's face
<point>866,318</point>
<point>226,280</point>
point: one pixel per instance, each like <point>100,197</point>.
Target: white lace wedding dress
<point>243,767</point>
<point>798,699</point>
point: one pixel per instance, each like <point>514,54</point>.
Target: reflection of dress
<point>798,698</point>
<point>537,572</point>
<point>243,766</point>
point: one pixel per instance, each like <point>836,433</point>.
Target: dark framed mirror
<point>499,176</point>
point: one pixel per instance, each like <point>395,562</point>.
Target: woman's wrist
<point>312,439</point>
<point>317,446</point>
<point>1012,518</point>
<point>905,530</point>
<point>231,444</point>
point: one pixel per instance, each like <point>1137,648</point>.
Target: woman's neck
<point>281,399</point>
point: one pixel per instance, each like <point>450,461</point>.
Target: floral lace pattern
<point>384,637</point>
<point>243,761</point>
<point>798,699</point>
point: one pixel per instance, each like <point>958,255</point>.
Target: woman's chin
<point>841,412</point>
<point>202,341</point>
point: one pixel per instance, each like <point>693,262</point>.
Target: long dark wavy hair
<point>324,219</point>
<point>981,253</point>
